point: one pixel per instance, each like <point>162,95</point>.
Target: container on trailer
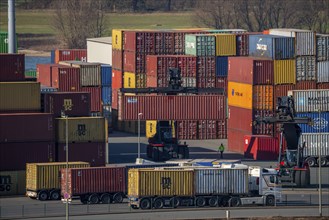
<point>19,97</point>
<point>14,156</point>
<point>106,75</point>
<point>322,47</point>
<point>284,72</point>
<point>320,122</point>
<point>12,183</point>
<point>12,67</point>
<point>261,147</point>
<point>323,71</point>
<point>82,129</point>
<point>96,97</point>
<point>70,54</point>
<point>315,142</point>
<point>305,68</point>
<point>200,45</point>
<point>311,100</point>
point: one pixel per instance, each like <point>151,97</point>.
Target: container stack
<point>4,42</point>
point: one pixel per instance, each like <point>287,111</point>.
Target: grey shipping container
<point>322,47</point>
<point>323,71</point>
<point>314,142</point>
<point>311,100</point>
<point>305,68</point>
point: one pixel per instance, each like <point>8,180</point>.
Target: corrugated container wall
<point>314,142</point>
<point>19,97</point>
<point>47,175</point>
<point>139,181</point>
<point>240,123</point>
<point>65,78</point>
<point>322,47</point>
<point>70,54</point>
<point>134,62</point>
<point>225,45</point>
<point>284,72</point>
<point>117,35</point>
<point>96,97</point>
<point>261,147</point>
<point>200,45</point>
<point>117,79</point>
<point>235,140</point>
<point>322,85</point>
<point>262,97</point>
<point>117,61</point>
<point>12,67</point>
<point>186,130</point>
<point>311,100</point>
<point>106,95</point>
<point>305,85</point>
<point>306,68</point>
<point>221,66</point>
<point>13,182</point>
<point>106,75</point>
<point>14,156</point>
<point>323,71</point>
<point>129,80</point>
<point>282,90</point>
<point>320,122</point>
<point>240,95</point>
<point>139,41</point>
<point>82,129</point>
<point>27,127</point>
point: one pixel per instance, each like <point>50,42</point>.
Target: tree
<point>76,20</point>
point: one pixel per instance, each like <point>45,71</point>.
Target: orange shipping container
<point>240,95</point>
<point>263,97</point>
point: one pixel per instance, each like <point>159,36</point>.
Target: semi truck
<point>230,185</point>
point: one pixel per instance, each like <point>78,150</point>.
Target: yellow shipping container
<point>129,80</point>
<point>284,72</point>
<point>117,35</point>
<point>20,96</point>
<point>263,97</point>
<point>12,183</point>
<point>240,95</point>
<point>160,182</point>
<point>141,80</point>
<point>82,129</point>
<point>46,175</point>
<point>225,44</point>
<point>151,128</point>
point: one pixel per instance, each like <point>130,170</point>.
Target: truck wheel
<point>158,203</point>
<point>200,201</point>
<point>118,198</point>
<point>323,161</point>
<point>83,199</point>
<point>145,203</point>
<point>42,195</point>
<point>106,198</point>
<point>54,195</point>
<point>155,154</point>
<point>270,200</point>
<point>93,199</point>
<point>234,202</point>
<point>311,161</point>
<point>213,201</point>
<point>174,202</point>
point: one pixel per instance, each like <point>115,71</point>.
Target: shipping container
<point>323,71</point>
<point>235,121</point>
<point>106,75</point>
<point>251,70</point>
<point>46,176</point>
<point>117,39</point>
<point>106,95</point>
<point>221,82</point>
<point>235,140</point>
<point>240,95</point>
<point>141,80</point>
<point>284,72</point>
<point>20,97</point>
<point>70,54</point>
<point>322,85</point>
<point>271,46</point>
<point>187,65</point>
<point>207,129</point>
<point>117,59</point>
<point>189,82</point>
<point>194,107</point>
<point>242,43</point>
<point>315,142</point>
<point>129,80</point>
<point>65,78</point>
<point>96,97</point>
<point>27,127</point>
<point>311,100</point>
<point>99,50</point>
<point>14,156</point>
<point>117,79</point>
<point>206,71</point>
<point>179,182</point>
<point>81,129</point>
<point>305,85</point>
<point>305,40</point>
<point>320,122</point>
<point>261,147</point>
<point>12,183</point>
<point>305,68</point>
<point>134,62</point>
<point>44,75</point>
<point>282,90</point>
<point>322,47</point>
<point>164,42</point>
<point>12,67</point>
<point>115,98</point>
<point>222,129</point>
<point>200,45</point>
<point>225,44</point>
<point>140,41</point>
<point>30,74</point>
<point>187,130</point>
<point>132,127</point>
<point>84,182</point>
<point>262,97</point>
<point>158,68</point>
<point>221,66</point>
<point>263,128</point>
<point>93,153</point>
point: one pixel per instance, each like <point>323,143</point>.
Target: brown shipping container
<point>139,41</point>
<point>93,153</point>
<point>322,85</point>
<point>193,107</point>
<point>282,90</point>
<point>20,97</point>
<point>96,97</point>
<point>27,127</point>
<point>221,82</point>
<point>235,140</point>
<point>249,70</point>
<point>240,118</point>
<point>70,54</point>
<point>82,181</point>
<point>305,85</point>
<point>207,129</point>
<point>12,67</point>
<point>206,72</point>
<point>117,59</point>
<point>222,129</point>
<point>134,62</point>
<point>117,79</point>
<point>187,65</point>
<point>261,147</point>
<point>14,156</point>
<point>158,67</point>
<point>187,130</point>
<point>164,42</point>
<point>65,78</point>
<point>72,103</point>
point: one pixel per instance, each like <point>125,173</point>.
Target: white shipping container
<point>323,71</point>
<point>99,50</point>
<point>311,100</point>
<point>305,68</point>
<point>322,47</point>
<point>315,142</point>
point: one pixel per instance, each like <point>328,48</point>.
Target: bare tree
<point>77,20</point>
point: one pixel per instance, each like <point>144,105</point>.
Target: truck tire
<point>106,198</point>
<point>93,199</point>
<point>323,161</point>
<point>55,195</point>
<point>270,200</point>
<point>145,203</point>
<point>158,203</point>
<point>200,201</point>
<point>213,201</point>
<point>118,198</point>
<point>234,202</point>
<point>43,195</point>
<point>174,202</point>
<point>311,161</point>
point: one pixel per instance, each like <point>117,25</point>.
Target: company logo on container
<point>320,123</point>
<point>236,93</point>
<point>261,47</point>
<point>318,100</point>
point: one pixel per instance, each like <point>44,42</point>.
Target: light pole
<point>139,134</point>
<point>66,196</point>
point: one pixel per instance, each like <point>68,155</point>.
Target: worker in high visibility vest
<point>221,150</point>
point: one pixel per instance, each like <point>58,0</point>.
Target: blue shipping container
<point>221,66</point>
<point>106,95</point>
<point>320,124</point>
<point>271,46</point>
<point>106,75</point>
<point>52,56</point>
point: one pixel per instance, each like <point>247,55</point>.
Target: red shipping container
<point>240,118</point>
<point>207,129</point>
<point>44,74</point>
<point>12,67</point>
<point>93,153</point>
<point>206,72</point>
<point>177,107</point>
<point>27,127</point>
<point>70,54</point>
<point>282,90</point>
<point>134,62</point>
<point>14,156</point>
<point>75,104</point>
<point>222,129</point>
<point>96,98</point>
<point>305,85</point>
<point>139,41</point>
<point>117,59</point>
<point>187,65</point>
<point>322,85</point>
<point>164,42</point>
<point>115,98</point>
<point>187,130</point>
<point>235,140</point>
<point>117,79</point>
<point>86,181</point>
<point>261,147</point>
<point>221,82</point>
<point>249,70</point>
<point>65,78</point>
<point>262,128</point>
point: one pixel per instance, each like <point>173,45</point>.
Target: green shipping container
<point>200,45</point>
<point>4,42</point>
<point>31,73</point>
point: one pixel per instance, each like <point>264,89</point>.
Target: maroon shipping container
<point>167,107</point>
<point>96,98</point>
<point>14,156</point>
<point>75,104</point>
<point>93,153</point>
<point>221,82</point>
<point>305,85</point>
<point>139,41</point>
<point>221,129</point>
<point>261,147</point>
<point>12,67</point>
<point>206,72</point>
<point>27,127</point>
<point>249,70</point>
<point>240,118</point>
<point>117,59</point>
<point>207,129</point>
<point>65,78</point>
<point>134,62</point>
<point>187,130</point>
<point>263,129</point>
<point>70,54</point>
<point>115,98</point>
<point>235,140</point>
<point>322,85</point>
<point>164,42</point>
<point>187,65</point>
<point>282,90</point>
<point>100,180</point>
